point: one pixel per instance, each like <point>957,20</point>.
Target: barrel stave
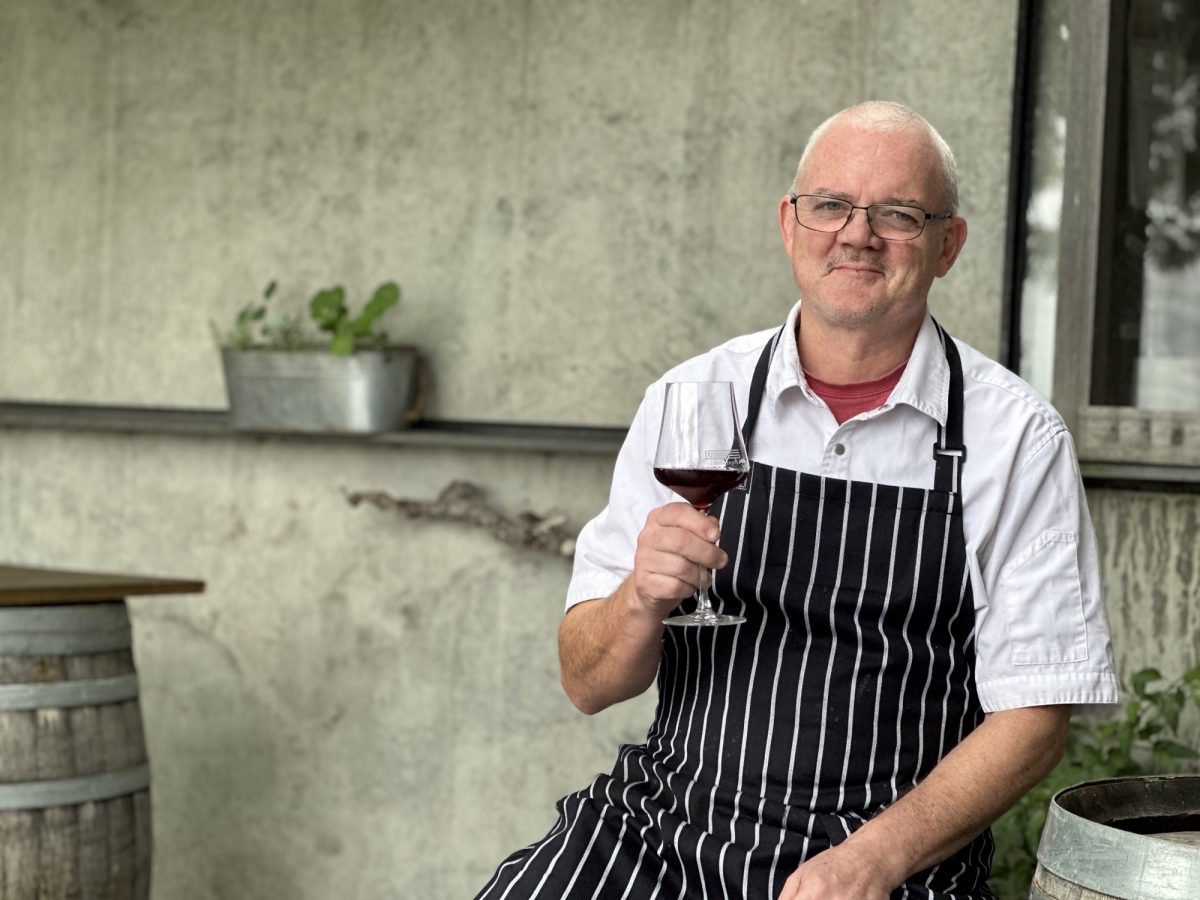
<point>121,849</point>
<point>18,746</point>
<point>93,849</point>
<point>19,835</point>
<point>58,853</point>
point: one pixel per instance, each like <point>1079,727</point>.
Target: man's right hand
<point>609,648</point>
<point>675,551</point>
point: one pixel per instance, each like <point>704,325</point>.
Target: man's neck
<point>844,355</point>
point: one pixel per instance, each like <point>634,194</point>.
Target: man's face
<point>852,278</point>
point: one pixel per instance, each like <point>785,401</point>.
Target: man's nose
<point>857,230</point>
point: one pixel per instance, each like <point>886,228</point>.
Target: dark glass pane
<point>1146,349</point>
<point>1043,210</point>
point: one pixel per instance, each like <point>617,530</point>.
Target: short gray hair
<point>886,116</point>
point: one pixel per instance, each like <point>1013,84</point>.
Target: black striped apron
<point>775,739</point>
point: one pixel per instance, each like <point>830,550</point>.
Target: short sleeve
<point>1042,633</point>
<point>606,545</point>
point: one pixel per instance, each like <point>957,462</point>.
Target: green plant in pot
<point>340,374</point>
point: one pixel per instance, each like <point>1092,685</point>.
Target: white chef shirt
<point>1040,624</point>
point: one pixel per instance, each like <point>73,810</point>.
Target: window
<point>1109,322</point>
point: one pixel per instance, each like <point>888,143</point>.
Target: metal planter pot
<point>315,391</point>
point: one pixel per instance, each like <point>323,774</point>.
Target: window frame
<point>1111,441</point>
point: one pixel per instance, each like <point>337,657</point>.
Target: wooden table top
<point>23,586</point>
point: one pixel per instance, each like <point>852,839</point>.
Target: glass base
<point>705,617</point>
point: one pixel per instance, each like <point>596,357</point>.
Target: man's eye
<point>828,206</point>
<point>898,216</point>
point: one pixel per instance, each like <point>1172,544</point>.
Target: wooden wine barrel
<point>1129,838</point>
<point>74,778</point>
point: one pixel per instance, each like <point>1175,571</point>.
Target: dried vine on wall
<point>461,501</point>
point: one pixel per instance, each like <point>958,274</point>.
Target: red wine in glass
<point>700,487</point>
<point>700,456</point>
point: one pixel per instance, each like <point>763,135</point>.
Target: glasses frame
<point>928,216</point>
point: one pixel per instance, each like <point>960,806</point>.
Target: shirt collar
<point>925,384</point>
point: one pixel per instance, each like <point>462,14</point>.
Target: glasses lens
<point>896,223</point>
<point>821,213</point>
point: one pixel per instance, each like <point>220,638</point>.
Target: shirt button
<point>839,449</point>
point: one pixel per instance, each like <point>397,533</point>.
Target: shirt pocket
<point>1043,602</point>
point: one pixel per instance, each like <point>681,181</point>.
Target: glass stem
<point>703,601</point>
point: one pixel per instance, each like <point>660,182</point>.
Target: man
<point>913,557</point>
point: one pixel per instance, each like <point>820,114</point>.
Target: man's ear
<point>953,239</point>
<point>787,220</point>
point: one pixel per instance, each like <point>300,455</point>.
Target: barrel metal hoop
<point>1112,862</point>
<point>50,644</point>
<point>64,630</point>
<point>65,694</point>
<point>71,791</point>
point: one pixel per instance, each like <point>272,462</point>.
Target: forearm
<point>991,769</point>
<point>608,649</point>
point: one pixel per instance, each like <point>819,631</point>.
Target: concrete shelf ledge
<point>532,438</point>
<point>539,438</point>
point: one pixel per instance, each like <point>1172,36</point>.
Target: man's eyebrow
<point>884,201</point>
<point>831,194</point>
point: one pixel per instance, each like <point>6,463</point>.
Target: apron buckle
<point>960,452</point>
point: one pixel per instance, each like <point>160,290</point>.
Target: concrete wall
<point>536,175</point>
<point>573,195</point>
<point>1150,559</point>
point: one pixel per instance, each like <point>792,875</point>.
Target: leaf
<point>248,314</point>
<point>1175,750</point>
<point>1171,704</point>
<point>1151,729</point>
<point>1192,680</point>
<point>1089,757</point>
<point>270,289</point>
<point>1126,735</point>
<point>328,308</point>
<point>1142,678</point>
<point>1133,712</point>
<point>386,296</point>
<point>1167,760</point>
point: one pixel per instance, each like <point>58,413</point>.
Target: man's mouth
<point>859,268</point>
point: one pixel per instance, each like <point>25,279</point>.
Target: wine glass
<point>700,456</point>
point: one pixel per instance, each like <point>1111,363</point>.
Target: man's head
<point>876,155</point>
<point>882,117</point>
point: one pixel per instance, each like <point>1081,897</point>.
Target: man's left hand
<point>840,873</point>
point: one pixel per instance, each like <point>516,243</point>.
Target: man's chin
<point>851,312</point>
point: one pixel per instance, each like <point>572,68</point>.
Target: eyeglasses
<point>890,221</point>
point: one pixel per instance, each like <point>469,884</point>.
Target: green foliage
<point>254,328</point>
<point>329,311</point>
<point>1141,739</point>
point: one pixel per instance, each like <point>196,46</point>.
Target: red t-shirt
<point>846,401</point>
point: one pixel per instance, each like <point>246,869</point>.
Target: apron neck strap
<point>758,385</point>
<point>949,452</point>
